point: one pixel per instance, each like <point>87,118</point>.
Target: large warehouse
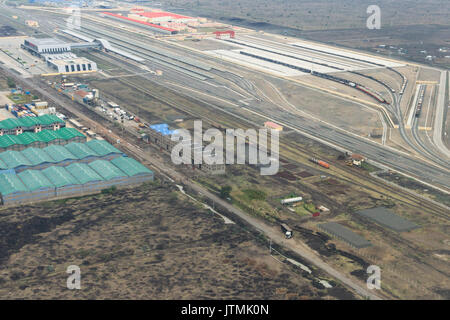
<point>33,124</point>
<point>74,180</point>
<point>41,139</point>
<point>56,155</point>
<point>151,26</point>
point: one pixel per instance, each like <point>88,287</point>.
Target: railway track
<point>390,190</point>
<point>417,203</point>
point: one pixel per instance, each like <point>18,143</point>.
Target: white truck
<point>286,230</point>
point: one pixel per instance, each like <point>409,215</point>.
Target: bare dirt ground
<point>143,243</point>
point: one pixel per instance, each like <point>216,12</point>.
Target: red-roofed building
<point>225,34</point>
<point>272,125</point>
<point>161,16</point>
<point>153,27</point>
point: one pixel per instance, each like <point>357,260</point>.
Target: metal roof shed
<point>103,148</point>
<point>112,175</point>
<point>38,158</point>
<point>7,141</point>
<point>83,173</point>
<point>81,151</point>
<point>28,139</point>
<point>39,186</point>
<point>12,189</point>
<point>131,167</point>
<point>89,179</point>
<point>136,172</point>
<point>345,234</point>
<point>65,183</point>
<point>71,134</point>
<point>14,159</point>
<point>49,136</point>
<point>107,170</point>
<point>60,153</point>
<point>3,165</point>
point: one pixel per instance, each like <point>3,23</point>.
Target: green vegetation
<point>369,167</point>
<point>225,192</point>
<point>310,207</point>
<point>11,83</point>
<point>20,98</point>
<point>253,194</point>
<point>111,190</point>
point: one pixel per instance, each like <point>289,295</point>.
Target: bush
<point>111,190</point>
<point>11,83</point>
<point>225,192</point>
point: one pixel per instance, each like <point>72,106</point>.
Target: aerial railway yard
<point>196,85</point>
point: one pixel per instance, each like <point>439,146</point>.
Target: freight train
<point>405,81</point>
<point>420,101</point>
<point>357,86</point>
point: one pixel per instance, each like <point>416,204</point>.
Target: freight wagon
<point>320,163</point>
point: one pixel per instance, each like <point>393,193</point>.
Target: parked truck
<point>286,230</point>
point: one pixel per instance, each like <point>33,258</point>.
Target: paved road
<point>439,120</point>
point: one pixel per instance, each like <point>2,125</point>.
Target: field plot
<point>143,243</point>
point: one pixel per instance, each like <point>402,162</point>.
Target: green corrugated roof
<point>27,122</point>
<point>69,133</point>
<point>3,165</point>
<point>43,136</point>
<point>48,135</point>
<point>107,170</point>
<point>27,137</point>
<point>130,166</point>
<point>59,153</point>
<point>80,150</point>
<point>102,147</point>
<point>34,180</point>
<point>10,183</point>
<point>14,159</point>
<point>63,133</point>
<point>48,119</point>
<point>36,156</point>
<point>10,124</point>
<point>7,140</point>
<point>59,176</point>
<point>83,173</point>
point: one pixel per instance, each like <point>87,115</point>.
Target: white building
<point>72,65</point>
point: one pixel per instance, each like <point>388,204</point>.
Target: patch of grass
<point>254,194</point>
<point>369,167</point>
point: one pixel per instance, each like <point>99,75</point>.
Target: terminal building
<point>58,54</point>
<point>72,65</point>
<point>45,45</point>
